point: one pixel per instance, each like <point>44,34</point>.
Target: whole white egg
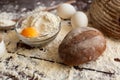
<point>65,11</point>
<point>79,19</point>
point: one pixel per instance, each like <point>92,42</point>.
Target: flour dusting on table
<point>26,63</point>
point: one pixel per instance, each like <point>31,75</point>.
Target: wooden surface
<point>21,62</point>
<point>24,62</point>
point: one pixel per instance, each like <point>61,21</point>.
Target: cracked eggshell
<point>2,46</point>
<point>79,19</point>
<point>65,11</point>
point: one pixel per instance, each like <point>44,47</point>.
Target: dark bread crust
<point>82,45</point>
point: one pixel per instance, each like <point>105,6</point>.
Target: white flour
<point>46,65</point>
<point>46,23</point>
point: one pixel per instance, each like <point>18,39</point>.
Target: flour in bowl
<point>46,23</point>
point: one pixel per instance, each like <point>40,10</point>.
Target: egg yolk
<point>30,32</point>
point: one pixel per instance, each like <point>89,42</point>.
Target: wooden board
<point>21,62</point>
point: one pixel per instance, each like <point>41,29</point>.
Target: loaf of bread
<point>82,45</point>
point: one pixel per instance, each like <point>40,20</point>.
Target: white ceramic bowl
<point>7,24</point>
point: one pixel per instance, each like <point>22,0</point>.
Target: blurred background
<point>27,5</point>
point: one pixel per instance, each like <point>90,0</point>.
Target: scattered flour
<point>45,64</point>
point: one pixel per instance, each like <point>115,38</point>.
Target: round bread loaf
<point>82,45</point>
